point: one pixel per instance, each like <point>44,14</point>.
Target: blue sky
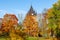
<point>22,6</point>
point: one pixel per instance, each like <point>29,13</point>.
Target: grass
<point>28,38</point>
<point>1,38</point>
<point>4,38</point>
<point>32,38</point>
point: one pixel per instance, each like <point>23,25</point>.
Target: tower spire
<point>31,11</point>
<point>31,8</point>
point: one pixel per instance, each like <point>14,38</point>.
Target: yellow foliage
<point>14,36</point>
<point>31,25</point>
<point>9,20</point>
<point>49,13</point>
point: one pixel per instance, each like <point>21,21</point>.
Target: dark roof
<point>31,11</point>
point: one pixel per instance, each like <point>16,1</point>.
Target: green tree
<point>54,17</point>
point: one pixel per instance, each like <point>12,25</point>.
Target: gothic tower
<point>30,23</point>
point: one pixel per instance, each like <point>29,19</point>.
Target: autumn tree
<point>54,17</point>
<point>9,21</point>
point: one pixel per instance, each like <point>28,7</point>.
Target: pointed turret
<point>31,11</point>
